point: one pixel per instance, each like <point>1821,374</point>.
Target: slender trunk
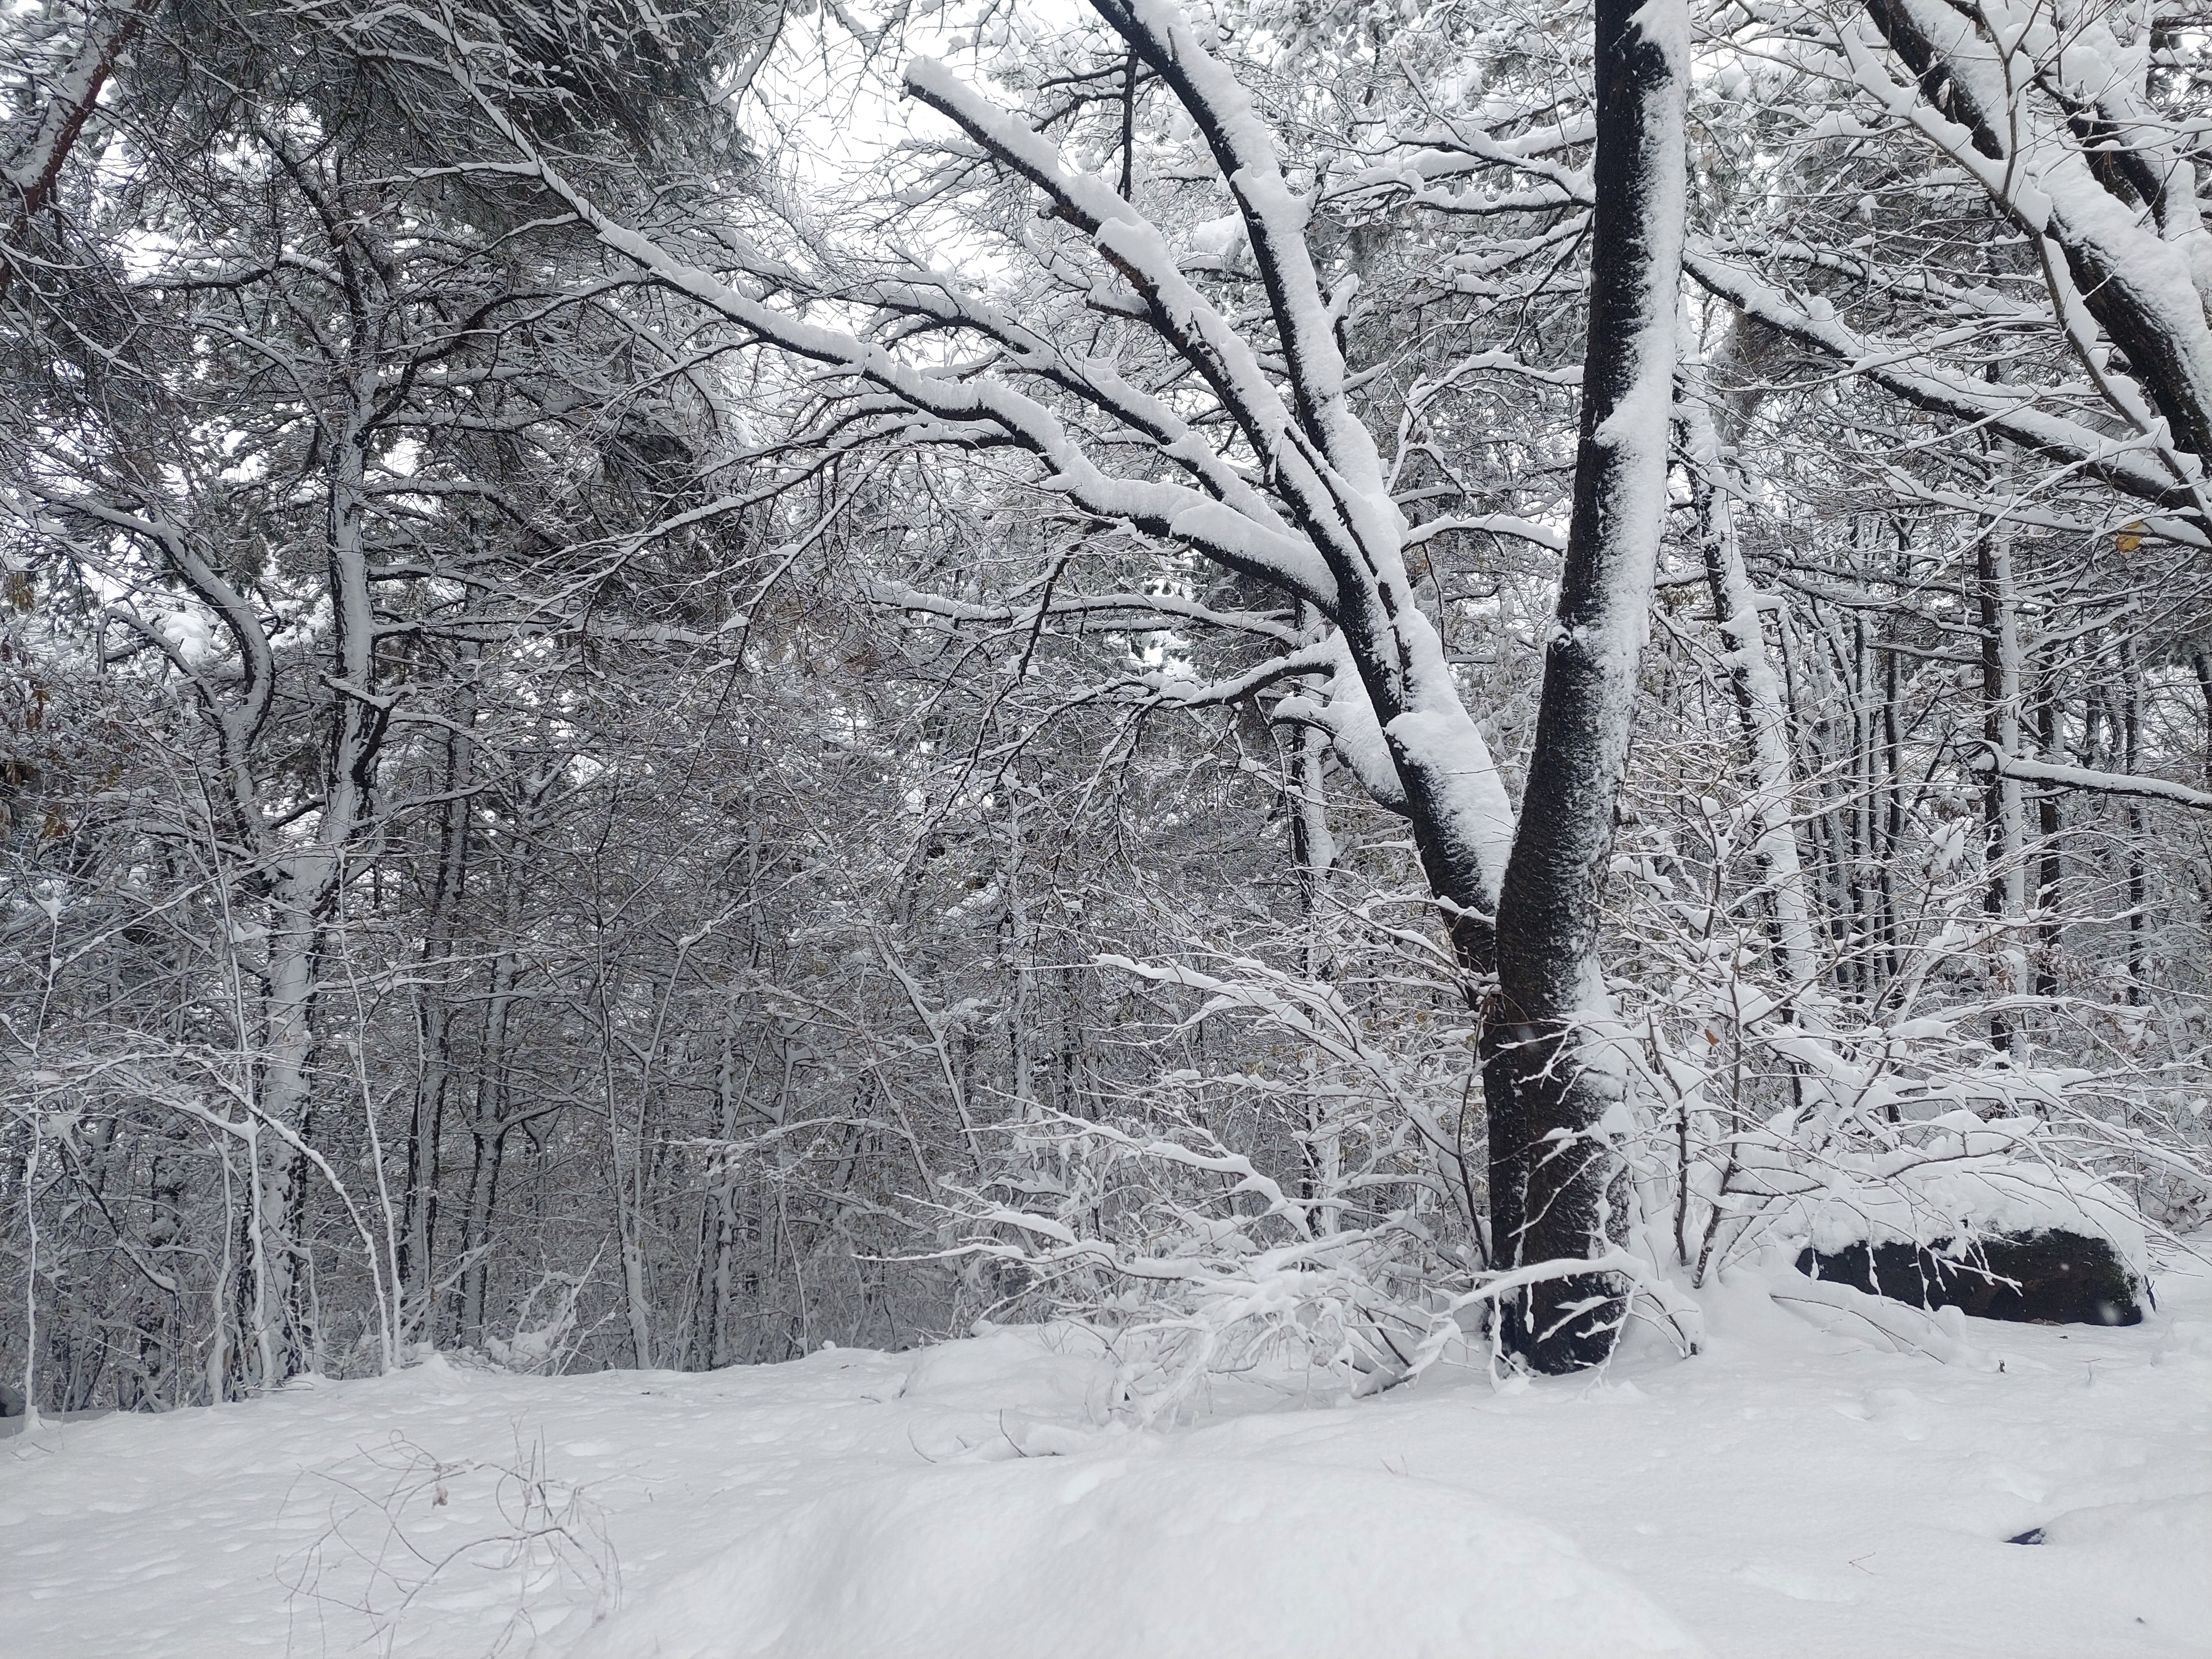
<point>2202,661</point>
<point>488,1122</point>
<point>1555,1090</point>
<point>1892,788</point>
<point>426,1126</point>
<point>1856,811</point>
<point>2130,760</point>
<point>724,1218</point>
<point>1014,948</point>
<point>2050,871</point>
<point>629,1221</point>
<point>1313,850</point>
<point>162,1332</point>
<point>1072,1024</point>
<point>2001,813</point>
<point>1757,695</point>
<point>476,1229</point>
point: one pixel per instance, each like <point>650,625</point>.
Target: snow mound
<point>1050,1369</point>
<point>2183,1525</point>
<point>1109,1557</point>
<point>2154,1552</point>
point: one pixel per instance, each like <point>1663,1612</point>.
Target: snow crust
<point>1807,1486</point>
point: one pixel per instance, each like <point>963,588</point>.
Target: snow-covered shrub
<point>1315,1222</point>
<point>1313,1210</point>
<point>543,1347</point>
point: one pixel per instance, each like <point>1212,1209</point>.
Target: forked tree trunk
<point>1557,1180</point>
<point>1325,531</point>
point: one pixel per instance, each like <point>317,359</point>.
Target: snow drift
<point>1108,1558</point>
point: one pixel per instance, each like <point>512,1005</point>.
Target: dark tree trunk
<point>2203,662</point>
<point>488,1124</point>
<point>2000,803</point>
<point>1558,1186</point>
<point>426,1126</point>
<point>2138,874</point>
<point>2051,871</point>
<point>1893,789</point>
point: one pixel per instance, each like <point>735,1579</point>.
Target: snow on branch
<point>2087,777</point>
<point>2121,463</point>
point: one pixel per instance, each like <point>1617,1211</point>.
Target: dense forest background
<point>661,699</point>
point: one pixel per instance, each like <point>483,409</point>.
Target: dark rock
<point>2032,1535</point>
<point>2049,1277</point>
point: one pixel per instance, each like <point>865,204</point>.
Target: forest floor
<point>1791,1492</point>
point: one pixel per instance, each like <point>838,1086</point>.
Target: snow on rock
<point>1980,1182</point>
<point>1100,1557</point>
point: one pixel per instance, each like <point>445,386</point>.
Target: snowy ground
<point>1792,1492</point>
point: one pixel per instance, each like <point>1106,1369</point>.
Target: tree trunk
<point>1555,1096</point>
